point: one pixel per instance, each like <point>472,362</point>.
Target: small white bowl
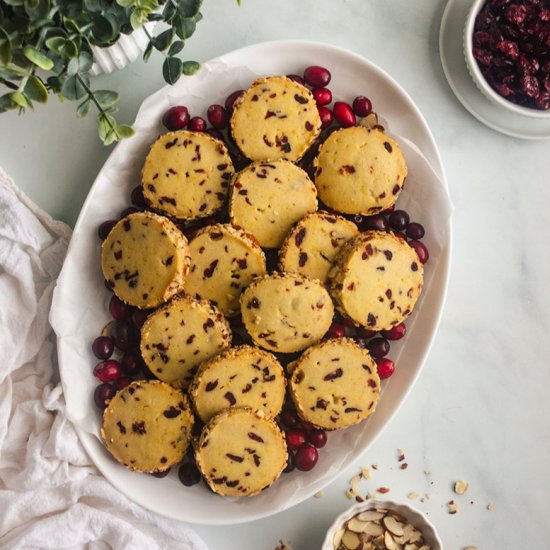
<point>413,516</point>
<point>477,75</point>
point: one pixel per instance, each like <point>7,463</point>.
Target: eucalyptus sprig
<point>46,48</point>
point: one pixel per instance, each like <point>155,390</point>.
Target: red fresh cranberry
<point>189,474</point>
<point>197,124</point>
<point>130,363</point>
<point>343,114</point>
<point>129,210</point>
<point>306,457</point>
<point>307,426</point>
<point>316,76</point>
<point>118,309</point>
<point>323,96</point>
<point>107,371</point>
<point>421,251</point>
<point>231,98</point>
<point>378,347</point>
<point>415,231</point>
<point>376,223</point>
<point>139,316</point>
<point>122,382</point>
<point>326,116</point>
<point>295,438</point>
<point>336,330</point>
<point>105,228</point>
<point>125,336</point>
<point>217,116</point>
<point>385,367</point>
<point>102,394</point>
<point>103,347</point>
<point>289,419</point>
<point>296,78</point>
<point>399,220</point>
<point>396,332</point>
<point>363,332</point>
<point>362,106</point>
<point>176,118</point>
<point>137,197</point>
<point>318,438</point>
<point>216,134</point>
<point>161,474</point>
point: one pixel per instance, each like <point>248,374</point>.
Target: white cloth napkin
<point>51,495</point>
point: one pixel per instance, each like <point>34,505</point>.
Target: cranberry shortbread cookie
<point>224,261</point>
<point>145,259</point>
<point>335,384</point>
<point>376,280</point>
<point>241,453</point>
<point>285,312</point>
<point>275,118</point>
<point>147,426</point>
<point>178,337</point>
<point>313,243</point>
<point>359,171</point>
<point>187,174</point>
<point>238,377</point>
<point>269,197</point>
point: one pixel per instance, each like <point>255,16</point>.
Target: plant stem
<point>102,112</point>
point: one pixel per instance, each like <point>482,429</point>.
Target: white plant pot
<point>126,50</point>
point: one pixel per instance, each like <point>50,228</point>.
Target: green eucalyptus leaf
<point>188,8</point>
<point>83,108</point>
<point>70,9</point>
<point>198,17</point>
<point>94,5</point>
<point>38,58</point>
<point>190,67</point>
<point>35,89</point>
<point>125,131</point>
<point>172,69</point>
<point>169,11</point>
<point>155,17</point>
<point>14,2</point>
<point>105,29</point>
<point>7,103</point>
<point>126,3</point>
<point>54,84</point>
<point>107,129</point>
<point>19,99</point>
<point>175,48</point>
<point>184,27</point>
<point>106,98</point>
<point>73,89</point>
<point>148,51</point>
<point>163,40</point>
<point>81,64</point>
<point>55,43</point>
<point>138,18</point>
<point>10,75</point>
<point>5,48</point>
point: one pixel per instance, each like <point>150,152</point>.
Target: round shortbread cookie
<point>239,377</point>
<point>145,259</point>
<point>313,243</point>
<point>224,261</point>
<point>286,312</point>
<point>268,198</point>
<point>275,118</point>
<point>147,426</point>
<point>376,280</point>
<point>178,337</point>
<point>240,452</point>
<point>187,174</point>
<point>335,384</point>
<point>359,171</point>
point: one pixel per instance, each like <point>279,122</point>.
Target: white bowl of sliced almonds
<point>382,524</point>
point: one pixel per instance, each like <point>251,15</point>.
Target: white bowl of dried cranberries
<point>382,524</point>
<point>507,51</point>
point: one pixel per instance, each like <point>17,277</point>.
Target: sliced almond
<point>337,538</point>
<point>424,547</point>
<point>370,515</point>
<point>373,529</point>
<point>351,540</point>
<point>394,526</point>
<point>452,507</point>
<point>471,548</point>
<point>356,525</point>
<point>415,536</point>
<point>413,495</point>
<point>366,473</point>
<point>355,479</point>
<point>390,543</point>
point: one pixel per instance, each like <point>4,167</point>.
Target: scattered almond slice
<point>490,507</point>
<point>460,487</point>
<point>319,494</point>
<point>452,507</point>
<point>470,548</point>
<point>366,473</point>
<point>413,495</point>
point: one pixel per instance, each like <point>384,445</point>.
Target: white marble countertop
<point>480,410</point>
